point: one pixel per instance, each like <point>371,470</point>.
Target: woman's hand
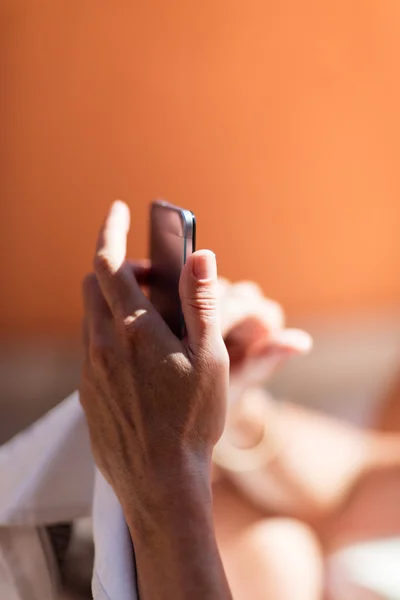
<point>255,336</point>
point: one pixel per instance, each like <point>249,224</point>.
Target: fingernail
<point>205,265</point>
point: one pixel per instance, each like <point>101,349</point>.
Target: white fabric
<point>47,476</point>
<point>372,565</point>
<point>114,575</point>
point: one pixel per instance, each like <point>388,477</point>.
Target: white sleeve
<point>114,573</point>
<point>47,470</point>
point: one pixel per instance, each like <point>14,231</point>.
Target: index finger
<point>113,235</point>
<point>115,275</point>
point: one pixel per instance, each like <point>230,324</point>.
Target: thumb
<point>198,289</point>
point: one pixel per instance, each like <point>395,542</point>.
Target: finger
<point>243,336</point>
<point>113,235</point>
<point>140,263</point>
<point>115,275</point>
<point>244,292</point>
<point>259,368</point>
<point>97,316</point>
<point>142,271</point>
<point>198,288</point>
<point>251,335</point>
<point>261,311</point>
<point>292,341</point>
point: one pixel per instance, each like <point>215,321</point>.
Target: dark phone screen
<point>169,245</point>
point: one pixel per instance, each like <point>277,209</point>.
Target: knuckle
<point>99,353</point>
<point>138,325</point>
<point>103,262</point>
<point>203,301</point>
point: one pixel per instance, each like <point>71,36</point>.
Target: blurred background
<point>277,123</point>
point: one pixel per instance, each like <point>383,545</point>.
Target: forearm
<point>175,547</point>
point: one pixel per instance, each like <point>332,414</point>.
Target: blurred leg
<point>265,557</point>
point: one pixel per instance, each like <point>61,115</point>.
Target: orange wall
<point>278,123</point>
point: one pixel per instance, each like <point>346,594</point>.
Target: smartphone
<point>172,240</point>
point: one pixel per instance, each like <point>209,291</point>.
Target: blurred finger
<point>113,235</point>
<point>141,269</point>
<point>248,340</point>
<point>115,275</point>
<point>235,311</point>
<point>243,336</point>
<point>259,368</point>
<point>294,341</point>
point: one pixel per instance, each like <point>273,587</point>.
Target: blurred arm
<point>320,460</point>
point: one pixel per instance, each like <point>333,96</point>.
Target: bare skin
<point>264,556</point>
<point>346,491</point>
<point>389,419</point>
<point>155,407</point>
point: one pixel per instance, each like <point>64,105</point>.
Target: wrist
<point>167,494</point>
<point>175,542</point>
